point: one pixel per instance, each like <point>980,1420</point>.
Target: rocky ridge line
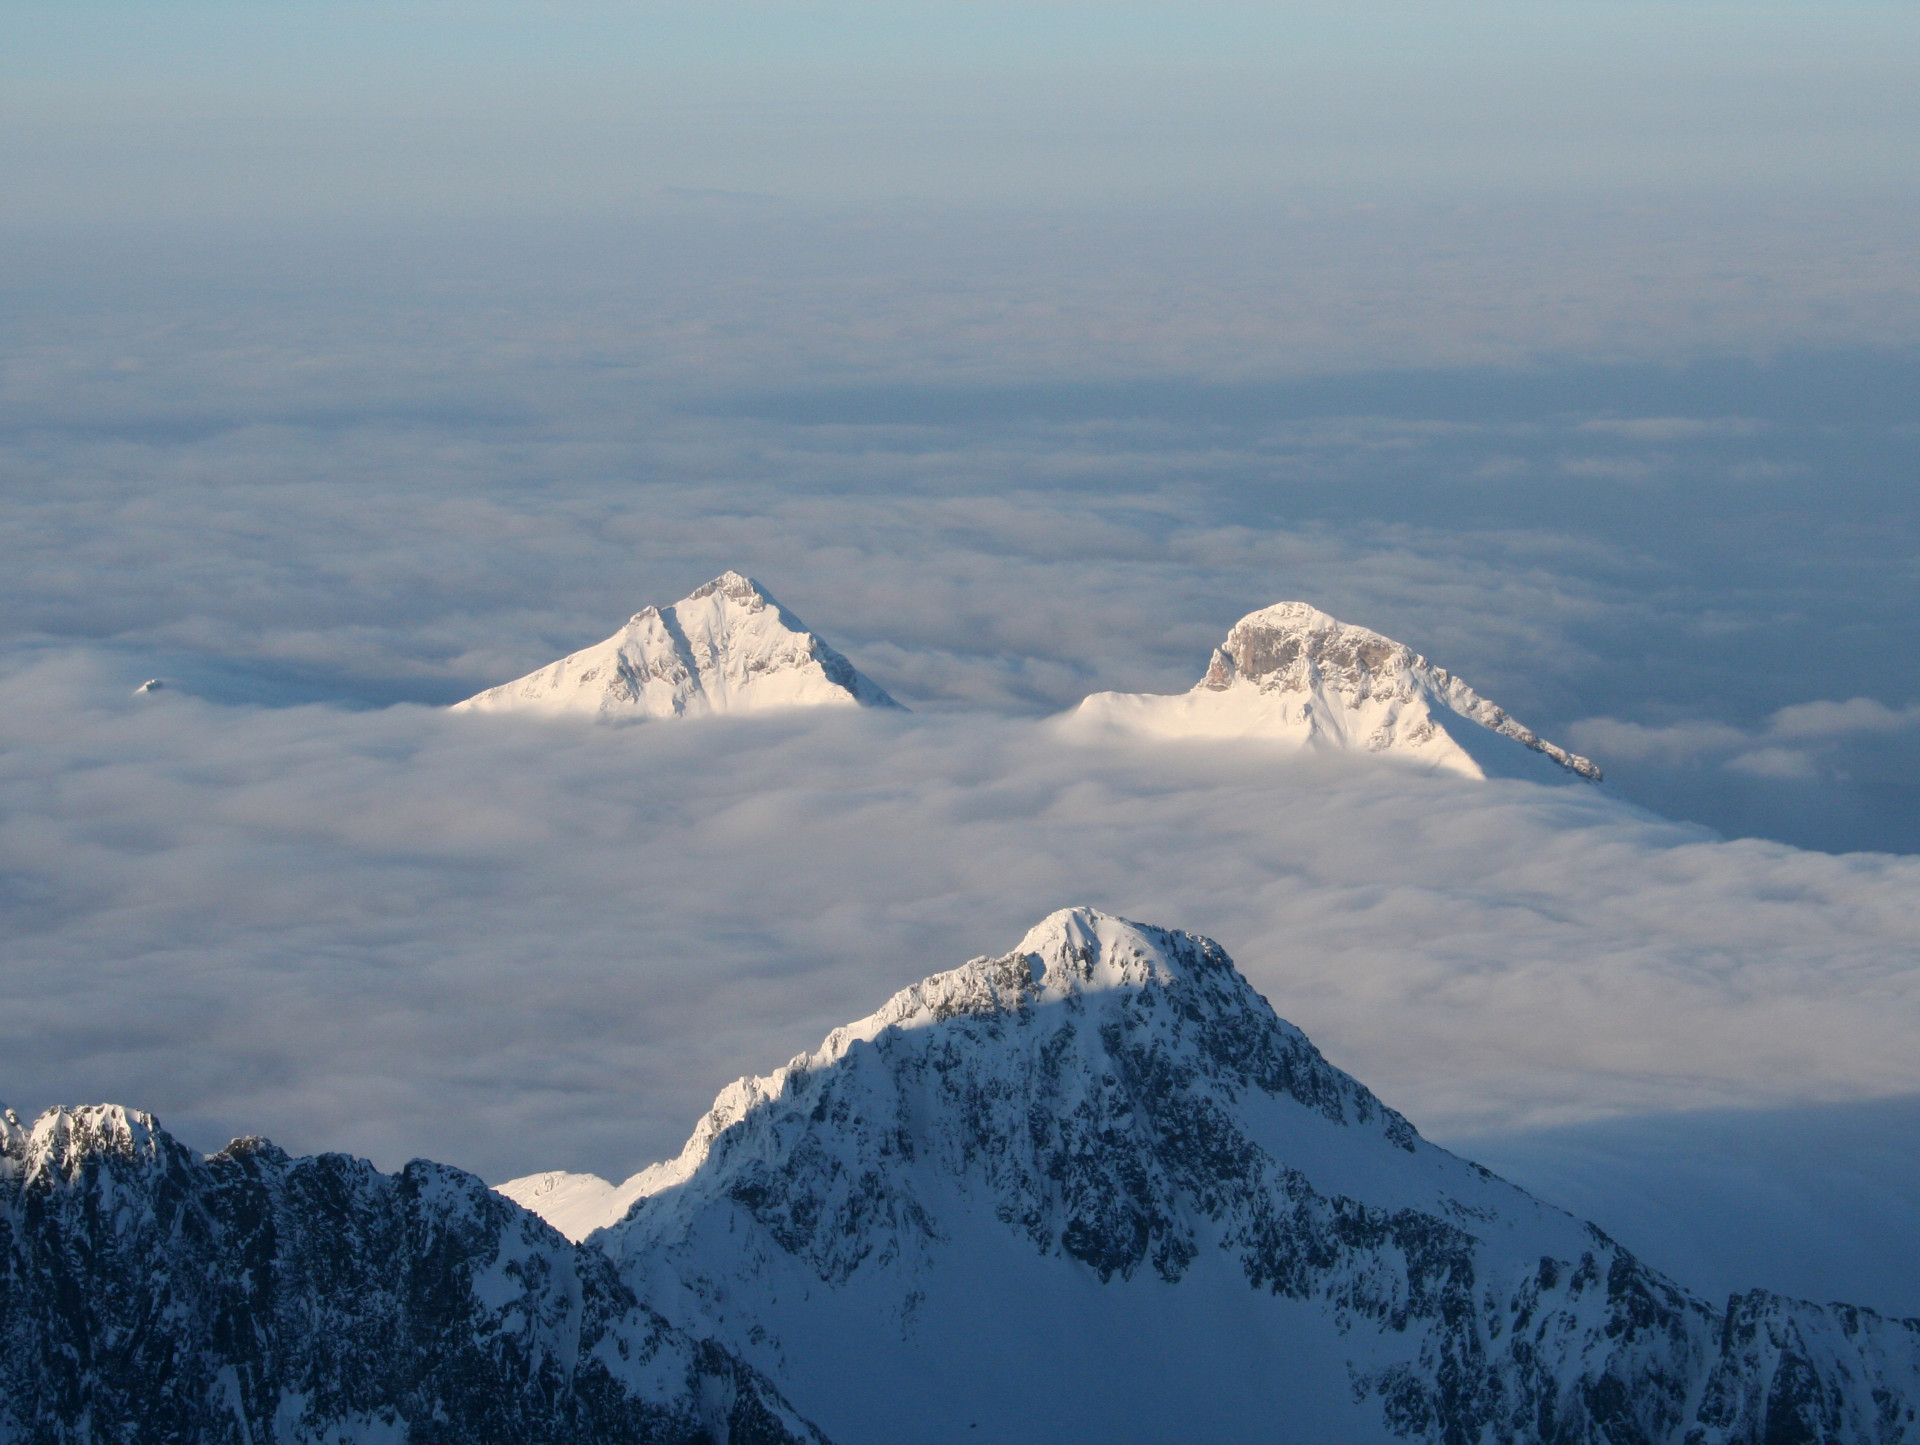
<point>1290,673</point>
<point>1115,1105</point>
<point>149,1294</point>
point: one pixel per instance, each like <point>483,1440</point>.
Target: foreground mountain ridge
<point>727,647</point>
<point>1095,1190</point>
<point>150,1295</point>
<point>1290,673</point>
<point>1089,1192</point>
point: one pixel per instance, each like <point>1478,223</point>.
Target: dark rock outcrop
<point>150,1295</point>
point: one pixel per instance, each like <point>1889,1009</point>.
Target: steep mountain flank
<point>1095,1190</point>
<point>150,1295</point>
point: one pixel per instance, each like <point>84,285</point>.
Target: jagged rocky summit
<point>152,1296</point>
<point>726,648</point>
<point>1291,674</point>
<point>1094,1190</point>
<point>1090,1192</point>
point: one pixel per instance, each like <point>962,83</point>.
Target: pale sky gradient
<point>116,111</point>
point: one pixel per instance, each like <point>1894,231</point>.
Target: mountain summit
<point>728,647</point>
<point>1090,1192</point>
<point>1292,674</point>
<point>1094,1190</point>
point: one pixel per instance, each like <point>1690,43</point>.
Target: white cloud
<point>1673,428</point>
<point>1761,753</point>
<point>1780,763</point>
<point>1611,469</point>
<point>516,947</point>
<point>1613,740</point>
<point>1818,721</point>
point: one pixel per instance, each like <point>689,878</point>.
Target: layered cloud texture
<point>525,944</point>
<point>355,360</point>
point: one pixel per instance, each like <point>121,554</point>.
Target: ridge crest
<point>728,647</point>
<point>1292,674</point>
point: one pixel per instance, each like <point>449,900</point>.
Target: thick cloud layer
<point>1020,350</point>
<point>518,946</point>
<point>449,463</point>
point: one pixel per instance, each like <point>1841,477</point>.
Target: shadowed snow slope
<point>727,648</point>
<point>1096,1191</point>
<point>1295,675</point>
<point>149,1294</point>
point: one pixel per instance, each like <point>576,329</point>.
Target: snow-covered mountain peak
<point>56,1144</point>
<point>1070,957</point>
<point>1286,641</point>
<point>1094,1189</point>
<point>1291,673</point>
<point>727,647</point>
<point>1083,961</point>
<point>1082,950</point>
<point>736,586</point>
<point>1081,986</point>
<point>1079,974</point>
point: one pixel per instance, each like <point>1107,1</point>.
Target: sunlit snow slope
<point>1096,1191</point>
<point>1294,675</point>
<point>726,648</point>
<point>575,1204</point>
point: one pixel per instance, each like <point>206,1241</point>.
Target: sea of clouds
<point>517,945</point>
<point>329,404</point>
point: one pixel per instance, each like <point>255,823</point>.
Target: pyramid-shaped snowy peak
<point>726,648</point>
<point>1293,675</point>
<point>1095,1190</point>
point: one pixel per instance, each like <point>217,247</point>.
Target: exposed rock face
<point>726,648</point>
<point>1090,1192</point>
<point>1292,674</point>
<point>1095,1190</point>
<point>149,1295</point>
